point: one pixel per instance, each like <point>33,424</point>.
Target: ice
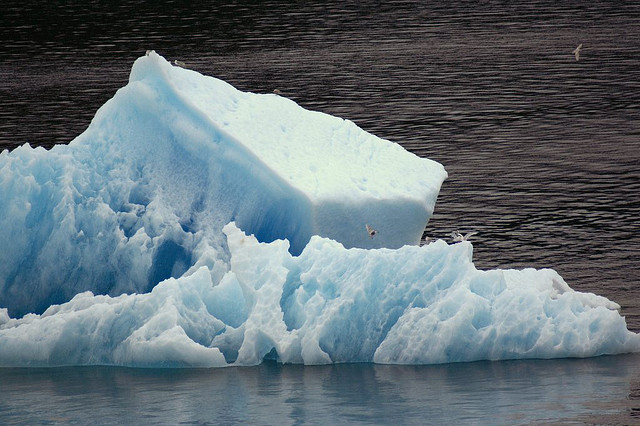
<point>330,304</point>
<point>194,225</point>
<point>143,193</point>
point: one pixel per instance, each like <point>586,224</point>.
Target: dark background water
<point>543,151</point>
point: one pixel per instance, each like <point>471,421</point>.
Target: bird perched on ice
<point>179,63</point>
<point>577,51</point>
<point>277,92</point>
<point>370,230</point>
<point>457,237</point>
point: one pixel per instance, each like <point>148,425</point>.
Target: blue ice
<point>195,225</point>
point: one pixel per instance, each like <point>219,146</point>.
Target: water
<point>543,152</point>
<point>514,392</point>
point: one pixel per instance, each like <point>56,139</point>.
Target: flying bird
<point>457,237</point>
<point>370,230</point>
<point>577,51</point>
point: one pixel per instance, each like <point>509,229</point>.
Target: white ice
<point>128,246</point>
<point>143,193</point>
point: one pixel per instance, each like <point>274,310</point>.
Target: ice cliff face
<point>119,247</point>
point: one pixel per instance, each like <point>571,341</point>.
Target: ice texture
<point>142,195</point>
<point>329,304</point>
<point>194,225</point>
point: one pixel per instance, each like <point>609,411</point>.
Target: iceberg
<point>142,195</point>
<point>195,225</point>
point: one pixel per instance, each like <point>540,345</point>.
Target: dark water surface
<point>543,155</point>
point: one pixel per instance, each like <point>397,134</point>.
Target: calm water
<point>543,154</point>
<point>597,390</point>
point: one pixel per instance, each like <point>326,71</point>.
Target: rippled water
<point>543,151</point>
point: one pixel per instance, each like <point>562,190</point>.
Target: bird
<point>457,237</point>
<point>370,230</point>
<point>577,51</point>
<point>276,92</point>
<point>179,63</point>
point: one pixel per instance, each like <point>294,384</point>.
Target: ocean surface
<point>543,155</point>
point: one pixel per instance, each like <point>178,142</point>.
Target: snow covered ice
<point>195,225</point>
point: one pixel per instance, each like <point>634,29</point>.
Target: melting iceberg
<point>196,225</point>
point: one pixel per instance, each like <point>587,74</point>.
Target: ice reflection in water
<point>513,392</point>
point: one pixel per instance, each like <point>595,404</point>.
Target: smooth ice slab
<point>320,174</point>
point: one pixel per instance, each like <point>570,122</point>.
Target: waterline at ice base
<point>195,225</point>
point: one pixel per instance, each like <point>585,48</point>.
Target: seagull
<point>457,237</point>
<point>370,230</point>
<point>179,63</point>
<point>577,52</point>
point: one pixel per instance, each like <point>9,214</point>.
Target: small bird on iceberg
<point>577,51</point>
<point>457,237</point>
<point>179,64</point>
<point>370,230</point>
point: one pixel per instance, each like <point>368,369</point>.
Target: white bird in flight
<point>457,237</point>
<point>370,230</point>
<point>577,52</point>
